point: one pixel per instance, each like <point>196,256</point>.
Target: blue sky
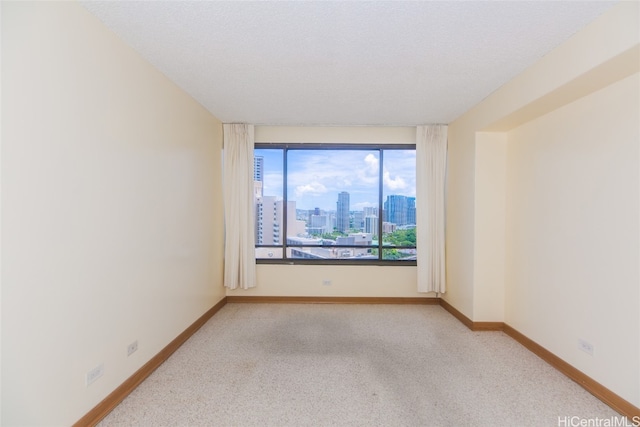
<point>317,176</point>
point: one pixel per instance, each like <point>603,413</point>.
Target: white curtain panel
<point>239,242</point>
<point>431,166</point>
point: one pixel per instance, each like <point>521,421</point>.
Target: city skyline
<point>303,230</point>
<point>316,177</point>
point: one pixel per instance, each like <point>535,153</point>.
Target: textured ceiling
<point>343,63</point>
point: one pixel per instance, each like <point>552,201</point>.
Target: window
<point>335,204</point>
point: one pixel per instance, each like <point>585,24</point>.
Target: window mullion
<point>380,211</point>
<point>285,204</point>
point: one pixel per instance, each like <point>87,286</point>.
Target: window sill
<point>334,263</point>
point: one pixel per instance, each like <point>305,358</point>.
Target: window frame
<point>287,146</point>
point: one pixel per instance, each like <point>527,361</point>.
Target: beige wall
<point>543,203</point>
<point>604,52</point>
<point>573,247</point>
<point>356,281</point>
<point>346,281</point>
<point>459,235</point>
<point>489,226</point>
<point>337,134</point>
<point>111,211</point>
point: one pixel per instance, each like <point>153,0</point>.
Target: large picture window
<point>335,204</point>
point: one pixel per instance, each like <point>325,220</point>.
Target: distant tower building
<point>342,212</point>
<point>319,224</point>
<point>358,220</point>
<point>395,209</point>
<point>371,225</point>
<point>370,211</point>
<point>258,168</point>
<point>332,220</point>
<point>411,210</point>
<point>270,221</point>
<point>258,176</point>
<point>313,212</point>
<point>388,227</point>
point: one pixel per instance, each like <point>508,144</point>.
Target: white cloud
<point>314,188</point>
<point>367,174</point>
<point>396,183</point>
<point>345,183</point>
<point>372,163</point>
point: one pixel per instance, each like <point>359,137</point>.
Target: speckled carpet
<point>351,365</point>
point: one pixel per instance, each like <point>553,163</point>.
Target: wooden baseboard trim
<point>101,410</point>
<point>330,300</point>
<point>457,314</point>
<point>487,326</point>
<point>598,390</point>
<point>474,326</point>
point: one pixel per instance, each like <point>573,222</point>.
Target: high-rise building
<point>258,176</point>
<point>258,168</point>
<point>342,212</point>
<point>411,210</point>
<point>370,211</point>
<point>264,221</point>
<point>318,224</point>
<point>371,225</point>
<point>270,221</point>
<point>388,227</point>
<point>358,220</point>
<point>396,209</point>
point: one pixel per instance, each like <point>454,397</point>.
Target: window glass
<point>399,204</point>
<point>268,173</point>
<point>337,200</point>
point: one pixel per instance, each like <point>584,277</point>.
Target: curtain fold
<point>431,165</point>
<point>239,242</point>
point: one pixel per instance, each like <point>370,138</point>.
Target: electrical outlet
<point>326,282</point>
<point>94,374</point>
<point>132,348</point>
<point>585,346</point>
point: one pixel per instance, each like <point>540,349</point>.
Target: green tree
<point>333,236</point>
<point>401,237</point>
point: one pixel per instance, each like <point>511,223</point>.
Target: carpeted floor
<point>351,365</point>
